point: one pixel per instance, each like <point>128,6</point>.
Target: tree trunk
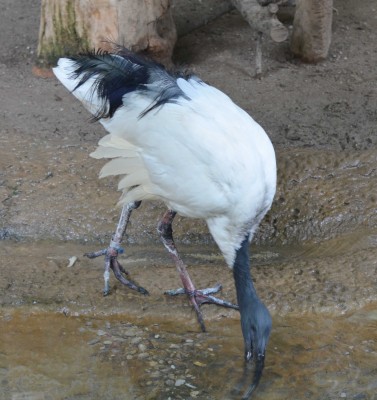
<point>68,27</point>
<point>311,36</point>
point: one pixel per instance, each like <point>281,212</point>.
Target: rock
<point>142,347</point>
<point>136,340</point>
<point>153,363</point>
<point>132,331</point>
<point>360,396</point>
<point>199,364</point>
<point>179,382</point>
<point>93,341</point>
<point>190,386</point>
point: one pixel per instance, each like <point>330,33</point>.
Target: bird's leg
<point>111,253</point>
<point>196,297</point>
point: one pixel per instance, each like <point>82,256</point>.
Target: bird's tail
<point>102,81</point>
<point>65,71</point>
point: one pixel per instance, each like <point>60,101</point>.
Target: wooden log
<point>262,18</point>
<point>70,26</point>
<point>311,35</point>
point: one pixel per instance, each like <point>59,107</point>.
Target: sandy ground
<point>315,252</point>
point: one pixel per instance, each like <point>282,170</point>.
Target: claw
<point>203,296</point>
<point>175,292</point>
<point>111,262</point>
<point>95,254</point>
<point>111,253</point>
<point>143,291</point>
<point>106,276</point>
<point>118,269</point>
<point>122,270</point>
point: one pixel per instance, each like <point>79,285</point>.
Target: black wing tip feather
<point>122,71</point>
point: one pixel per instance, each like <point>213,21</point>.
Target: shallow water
<point>53,356</point>
<point>61,339</point>
<point>46,356</point>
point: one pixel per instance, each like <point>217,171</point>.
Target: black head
<point>256,326</point>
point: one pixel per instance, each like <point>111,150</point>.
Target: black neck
<point>242,277</point>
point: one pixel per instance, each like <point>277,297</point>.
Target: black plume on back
<point>117,74</point>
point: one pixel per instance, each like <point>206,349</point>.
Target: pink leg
<point>196,297</point>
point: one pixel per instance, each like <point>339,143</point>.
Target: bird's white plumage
<point>203,156</point>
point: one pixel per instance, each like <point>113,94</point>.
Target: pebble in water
<point>171,359</point>
<point>136,340</point>
<point>153,363</point>
<point>142,347</point>
<point>93,341</point>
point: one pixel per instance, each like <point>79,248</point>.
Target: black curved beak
<point>251,377</point>
<point>256,375</point>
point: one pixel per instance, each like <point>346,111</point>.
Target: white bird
<point>177,139</point>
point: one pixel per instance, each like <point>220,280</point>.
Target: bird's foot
<point>203,296</point>
<point>111,262</point>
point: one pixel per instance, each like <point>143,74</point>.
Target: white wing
<point>202,155</point>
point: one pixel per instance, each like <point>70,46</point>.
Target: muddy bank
<point>321,118</point>
<point>320,194</point>
<point>335,277</point>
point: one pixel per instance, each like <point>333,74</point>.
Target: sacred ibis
<point>174,138</point>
